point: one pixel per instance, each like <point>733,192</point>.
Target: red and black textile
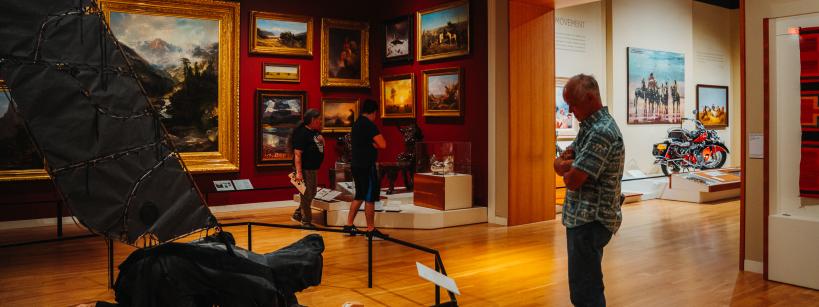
<point>809,81</point>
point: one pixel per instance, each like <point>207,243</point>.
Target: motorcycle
<point>684,150</point>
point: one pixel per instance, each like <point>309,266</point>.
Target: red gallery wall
<point>471,127</point>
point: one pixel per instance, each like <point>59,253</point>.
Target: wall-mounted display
<point>656,86</point>
<point>278,113</point>
<point>338,114</point>
<point>566,124</point>
<point>398,96</point>
<point>281,72</point>
<point>398,40</point>
<point>19,159</point>
<point>344,53</point>
<point>712,105</point>
<point>443,92</point>
<point>443,31</point>
<point>281,34</point>
<point>188,62</point>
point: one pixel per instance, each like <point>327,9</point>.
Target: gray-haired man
<point>308,146</point>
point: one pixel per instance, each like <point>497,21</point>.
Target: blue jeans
<point>585,246</point>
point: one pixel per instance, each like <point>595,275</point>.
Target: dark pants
<point>307,198</point>
<point>585,246</point>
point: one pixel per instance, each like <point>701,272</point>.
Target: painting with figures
<point>443,31</point>
<point>565,122</point>
<point>344,53</point>
<point>712,105</point>
<point>278,114</point>
<point>656,86</point>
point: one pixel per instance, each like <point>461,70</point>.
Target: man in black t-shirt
<point>366,141</point>
<point>308,147</point>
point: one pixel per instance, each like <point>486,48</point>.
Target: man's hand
<point>563,163</point>
<point>567,154</point>
<point>299,177</point>
<point>321,138</point>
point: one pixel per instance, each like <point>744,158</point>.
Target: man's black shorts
<point>366,183</point>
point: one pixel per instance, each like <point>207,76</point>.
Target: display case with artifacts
<point>443,178</point>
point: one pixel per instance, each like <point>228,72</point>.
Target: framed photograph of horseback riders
<point>443,31</point>
<point>398,40</point>
<point>443,92</point>
<point>278,113</point>
<point>281,34</point>
<point>566,125</point>
<point>712,105</point>
<point>656,86</point>
<point>187,54</point>
<point>345,53</point>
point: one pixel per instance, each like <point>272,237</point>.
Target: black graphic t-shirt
<point>312,150</point>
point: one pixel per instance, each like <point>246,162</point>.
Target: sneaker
<point>351,230</point>
<point>296,217</point>
<point>308,225</point>
<point>376,234</point>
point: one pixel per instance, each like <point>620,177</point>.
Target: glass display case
<point>443,158</point>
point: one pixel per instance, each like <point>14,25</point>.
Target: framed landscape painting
<point>443,31</point>
<point>338,114</point>
<point>281,34</point>
<point>398,40</point>
<point>712,105</point>
<point>19,159</point>
<point>398,96</point>
<point>186,55</point>
<point>656,86</point>
<point>345,53</point>
<point>281,73</point>
<point>278,113</point>
<point>443,92</point>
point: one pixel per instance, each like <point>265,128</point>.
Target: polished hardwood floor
<point>666,254</point>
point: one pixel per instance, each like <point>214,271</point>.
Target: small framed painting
<point>398,40</point>
<point>398,96</point>
<point>712,105</point>
<point>345,53</point>
<point>281,34</point>
<point>566,124</point>
<point>278,113</point>
<point>443,92</point>
<point>281,73</point>
<point>338,114</point>
<point>443,31</point>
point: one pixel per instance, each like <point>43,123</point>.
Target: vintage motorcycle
<point>684,150</point>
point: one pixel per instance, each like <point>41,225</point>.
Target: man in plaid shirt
<point>592,168</point>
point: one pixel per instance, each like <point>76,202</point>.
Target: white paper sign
<point>756,146</point>
<point>437,278</point>
<point>223,185</point>
<point>242,184</point>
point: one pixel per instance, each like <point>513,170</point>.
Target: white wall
<point>580,42</point>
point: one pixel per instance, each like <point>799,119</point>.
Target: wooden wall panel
<point>531,108</point>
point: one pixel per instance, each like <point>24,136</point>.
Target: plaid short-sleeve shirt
<point>599,152</point>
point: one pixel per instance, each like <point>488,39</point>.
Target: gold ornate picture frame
<point>21,161</point>
<point>339,114</point>
<point>274,72</point>
<point>345,53</point>
<point>281,34</point>
<point>443,31</point>
<point>398,96</point>
<point>444,92</point>
<point>179,16</point>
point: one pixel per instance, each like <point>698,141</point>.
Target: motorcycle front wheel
<point>716,160</point>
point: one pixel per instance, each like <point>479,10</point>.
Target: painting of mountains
<point>17,152</point>
<point>443,92</point>
<point>281,34</point>
<point>443,31</point>
<point>177,61</point>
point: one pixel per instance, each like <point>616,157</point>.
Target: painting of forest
<point>177,61</point>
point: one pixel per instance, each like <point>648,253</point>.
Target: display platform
<point>443,192</point>
<point>703,186</point>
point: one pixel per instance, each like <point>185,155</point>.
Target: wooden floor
<point>666,254</point>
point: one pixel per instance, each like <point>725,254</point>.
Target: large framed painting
<point>443,92</point>
<point>281,73</point>
<point>656,86</point>
<point>19,159</point>
<point>338,114</point>
<point>345,53</point>
<point>398,40</point>
<point>278,113</point>
<point>398,96</point>
<point>281,34</point>
<point>187,57</point>
<point>443,31</point>
<point>566,124</point>
<point>712,105</point>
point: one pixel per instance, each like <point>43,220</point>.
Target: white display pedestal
<point>443,192</point>
<point>707,186</point>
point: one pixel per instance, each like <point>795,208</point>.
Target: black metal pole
<point>369,261</point>
<point>249,237</point>
<point>437,288</point>
<point>110,263</point>
<point>59,219</point>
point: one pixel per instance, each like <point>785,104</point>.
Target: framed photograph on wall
<point>566,124</point>
<point>712,105</point>
<point>19,159</point>
<point>278,113</point>
<point>443,92</point>
<point>345,53</point>
<point>338,114</point>
<point>398,96</point>
<point>443,31</point>
<point>656,86</point>
<point>281,73</point>
<point>281,34</point>
<point>200,108</point>
<point>398,40</point>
